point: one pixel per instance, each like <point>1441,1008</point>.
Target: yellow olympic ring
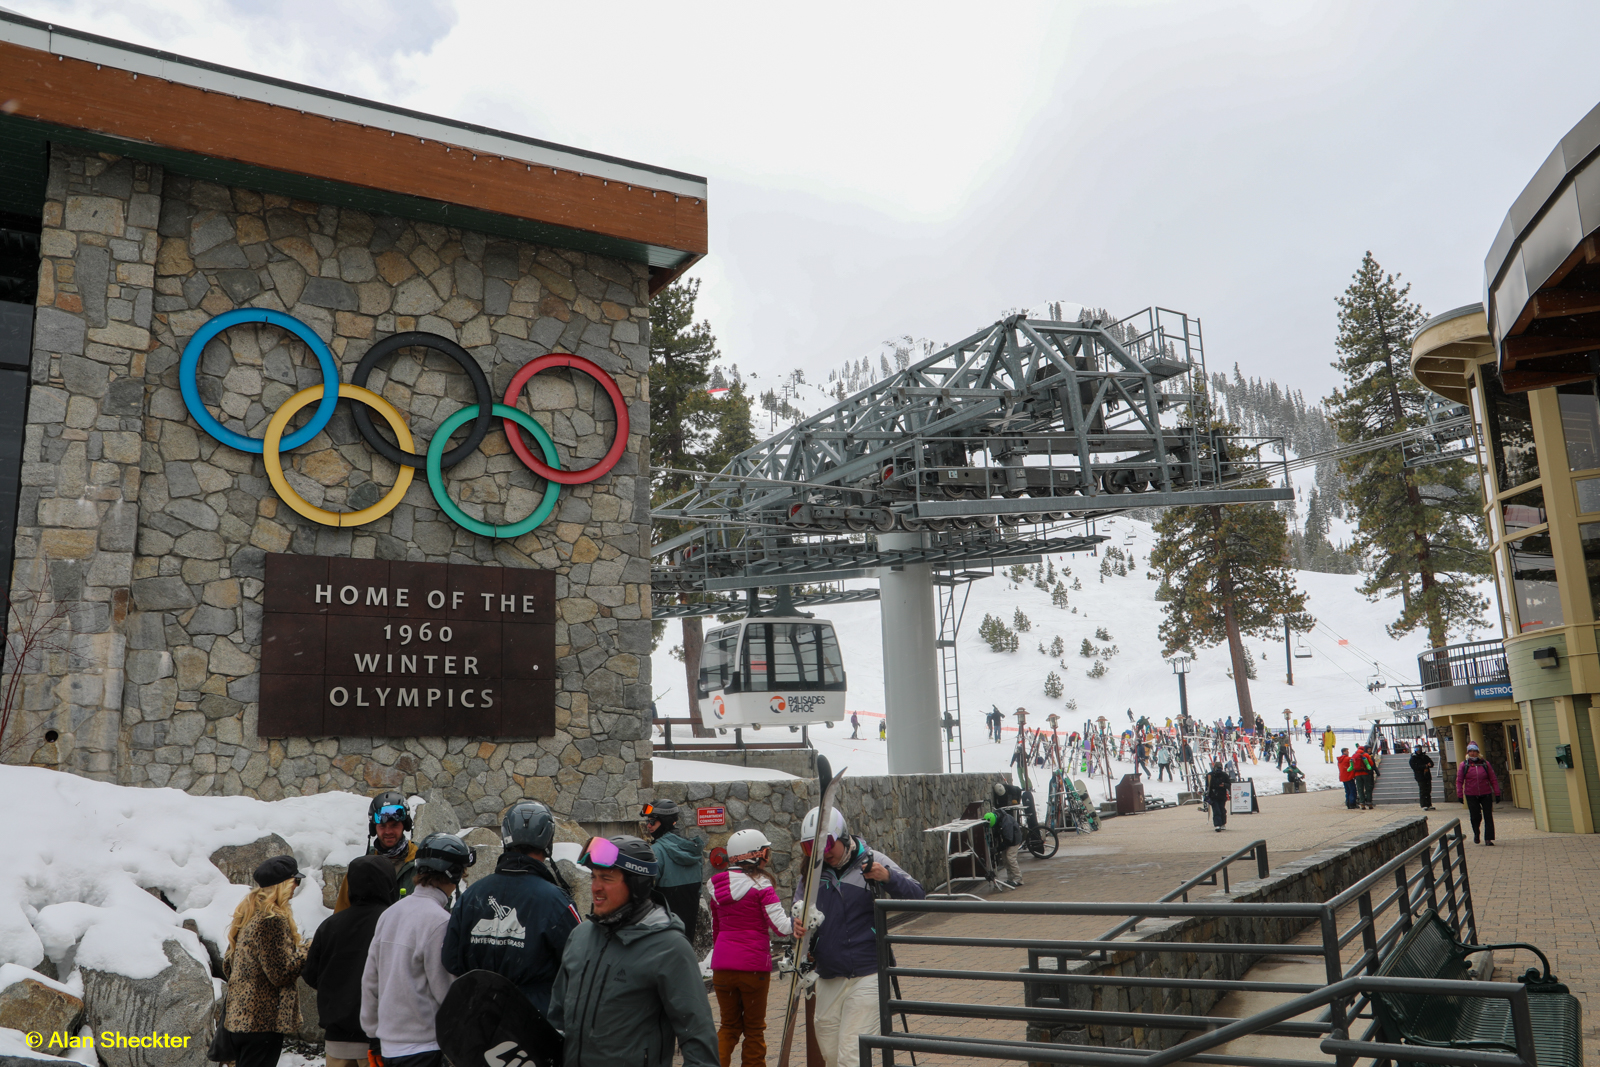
<point>270,453</point>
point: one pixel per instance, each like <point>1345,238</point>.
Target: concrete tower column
<point>910,662</point>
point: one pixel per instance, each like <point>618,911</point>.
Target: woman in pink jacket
<point>745,912</point>
<point>1477,785</point>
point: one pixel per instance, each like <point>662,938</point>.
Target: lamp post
<point>1180,667</point>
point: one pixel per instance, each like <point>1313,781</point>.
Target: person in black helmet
<point>388,827</point>
<point>629,988</point>
<point>405,981</point>
<point>515,922</point>
<point>680,877</point>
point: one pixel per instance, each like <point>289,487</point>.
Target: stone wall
<point>1316,878</point>
<point>890,811</point>
<point>152,534</point>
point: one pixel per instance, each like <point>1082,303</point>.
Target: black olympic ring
<point>480,385</point>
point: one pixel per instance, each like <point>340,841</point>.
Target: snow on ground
<point>81,854</point>
<point>1349,648</point>
<point>667,769</point>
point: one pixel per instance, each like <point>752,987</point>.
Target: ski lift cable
<point>1326,653</point>
<point>1377,664</point>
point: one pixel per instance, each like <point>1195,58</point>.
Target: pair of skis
<point>828,782</point>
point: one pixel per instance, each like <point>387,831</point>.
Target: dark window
<point>1524,511</point>
<point>791,655</point>
<point>1510,433</point>
<point>719,661</point>
<point>1580,425</point>
<point>1533,579</point>
<point>19,284</point>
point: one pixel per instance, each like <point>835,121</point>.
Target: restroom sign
<point>717,816</point>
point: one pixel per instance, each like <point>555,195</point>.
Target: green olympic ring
<point>441,493</point>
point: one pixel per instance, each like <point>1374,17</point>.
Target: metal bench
<point>1430,950</point>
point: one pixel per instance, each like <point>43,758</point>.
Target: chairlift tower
<point>996,450</point>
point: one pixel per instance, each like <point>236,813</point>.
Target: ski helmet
<point>747,846</point>
<point>446,854</point>
<point>631,855</point>
<point>386,807</point>
<point>837,830</point>
<point>528,824</point>
<point>999,789</point>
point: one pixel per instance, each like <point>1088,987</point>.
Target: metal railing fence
<point>1353,932</point>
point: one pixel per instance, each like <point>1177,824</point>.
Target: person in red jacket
<point>1348,779</point>
<point>745,912</point>
<point>1476,782</point>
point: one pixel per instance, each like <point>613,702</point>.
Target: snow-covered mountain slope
<point>1349,649</point>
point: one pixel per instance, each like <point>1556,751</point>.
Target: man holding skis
<point>845,948</point>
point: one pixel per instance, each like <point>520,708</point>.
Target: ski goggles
<point>805,846</point>
<point>603,852</point>
<point>389,813</point>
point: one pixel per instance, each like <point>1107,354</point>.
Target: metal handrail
<point>1430,874</point>
<point>1337,1043</point>
<point>1469,663</point>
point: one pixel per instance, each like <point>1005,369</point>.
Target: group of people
<point>622,985</point>
<point>883,726</point>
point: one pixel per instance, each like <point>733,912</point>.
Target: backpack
<point>1007,830</point>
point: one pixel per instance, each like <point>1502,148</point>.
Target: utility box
<point>1130,795</point>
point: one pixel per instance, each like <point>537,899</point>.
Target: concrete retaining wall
<point>1314,878</point>
<point>890,811</point>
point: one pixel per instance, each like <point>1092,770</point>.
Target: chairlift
<point>1375,683</point>
<point>1300,649</point>
<point>774,666</point>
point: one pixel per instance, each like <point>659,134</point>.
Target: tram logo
<point>718,708</point>
<point>777,705</point>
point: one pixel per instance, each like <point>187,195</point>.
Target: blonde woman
<point>264,958</point>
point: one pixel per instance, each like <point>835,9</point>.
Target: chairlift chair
<point>1300,649</point>
<point>773,668</point>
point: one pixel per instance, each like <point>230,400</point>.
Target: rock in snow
<point>239,862</point>
<point>177,1000</point>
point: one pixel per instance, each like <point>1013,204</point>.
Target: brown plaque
<point>291,706</point>
<point>530,652</point>
<point>377,648</point>
<point>292,583</point>
<point>293,644</point>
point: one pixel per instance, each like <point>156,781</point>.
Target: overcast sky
<point>880,170</point>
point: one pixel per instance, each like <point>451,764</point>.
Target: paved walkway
<point>1532,886</point>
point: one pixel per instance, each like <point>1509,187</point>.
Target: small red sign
<point>711,816</point>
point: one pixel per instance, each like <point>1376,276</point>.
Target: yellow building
<point>1525,363</point>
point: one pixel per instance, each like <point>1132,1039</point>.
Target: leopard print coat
<point>261,969</point>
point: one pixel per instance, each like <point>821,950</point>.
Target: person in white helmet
<point>845,947</point>
<point>745,913</point>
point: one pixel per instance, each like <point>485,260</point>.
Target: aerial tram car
<point>775,667</point>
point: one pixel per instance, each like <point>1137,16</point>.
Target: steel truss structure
<point>1026,423</point>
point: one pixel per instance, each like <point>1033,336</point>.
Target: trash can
<point>1130,795</point>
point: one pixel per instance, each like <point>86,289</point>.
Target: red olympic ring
<point>520,447</point>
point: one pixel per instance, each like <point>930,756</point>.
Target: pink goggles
<point>603,852</point>
<point>805,846</point>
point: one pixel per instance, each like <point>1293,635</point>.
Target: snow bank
<point>693,770</point>
<point>82,856</point>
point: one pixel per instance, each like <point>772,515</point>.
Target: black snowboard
<point>485,1020</point>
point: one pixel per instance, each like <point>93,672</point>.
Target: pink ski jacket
<point>745,912</point>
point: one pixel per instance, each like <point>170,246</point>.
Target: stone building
<point>1524,364</point>
<point>193,617</point>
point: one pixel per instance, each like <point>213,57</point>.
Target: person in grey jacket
<point>405,978</point>
<point>680,881</point>
<point>629,987</point>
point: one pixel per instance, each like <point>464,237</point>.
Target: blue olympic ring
<point>189,383</point>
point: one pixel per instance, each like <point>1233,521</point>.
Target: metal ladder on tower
<point>954,588</point>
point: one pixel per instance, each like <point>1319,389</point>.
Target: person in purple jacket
<point>1476,781</point>
<point>745,913</point>
<point>845,948</point>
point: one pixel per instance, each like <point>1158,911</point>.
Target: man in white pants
<point>845,948</point>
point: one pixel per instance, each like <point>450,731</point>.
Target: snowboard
<point>485,1020</point>
<point>829,783</point>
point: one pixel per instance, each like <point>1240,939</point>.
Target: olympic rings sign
<point>434,460</point>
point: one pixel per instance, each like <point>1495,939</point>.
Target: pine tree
<point>1052,685</point>
<point>1423,548</point>
<point>1020,622</point>
<point>1228,572</point>
<point>1086,650</point>
<point>689,429</point>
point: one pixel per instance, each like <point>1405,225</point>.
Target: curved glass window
<point>1533,583</point>
<point>719,661</point>
<point>1588,494</point>
<point>1589,536</point>
<point>1510,433</point>
<point>1580,425</point>
<point>1523,511</point>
